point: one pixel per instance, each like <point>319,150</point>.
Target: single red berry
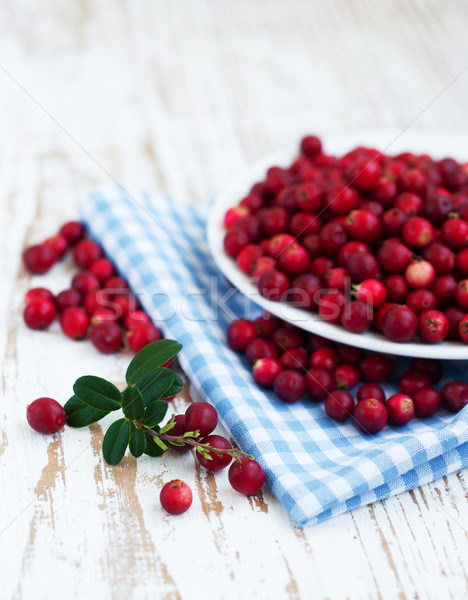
<point>86,252</point>
<point>46,415</point>
<point>273,285</point>
<point>346,376</point>
<point>309,197</point>
<point>260,348</point>
<point>39,259</point>
<point>385,191</point>
<point>176,497</point>
<point>430,366</point>
<point>73,232</point>
<point>142,335</point>
<point>107,337</point>
<point>331,305</point>
<point>320,382</point>
<point>349,249</point>
<point>246,476</point>
<point>414,180</point>
<point>325,357</point>
<point>454,233</point>
<point>420,274</point>
<point>58,243</point>
<point>364,226</point>
<point>289,386</point>
<point>116,286</point>
<point>400,324</point>
<point>247,256</point>
<point>233,215</point>
<point>305,290</point>
<point>411,381</point>
<point>437,207</point>
<point>341,199</point>
<point>370,390</point>
<point>440,257</point>
<point>311,146</point>
<point>103,315</point>
<point>84,282</point>
<point>357,316</point>
<point>410,204</point>
<point>202,417</point>
<point>426,402</point>
<point>376,367</point>
<point>240,333</point>
<point>218,460</point>
<point>433,326</point>
<point>102,268</point>
<point>461,294</point>
<point>455,395</point>
<point>418,232</point>
<point>304,224</point>
<point>251,225</point>
<point>372,292</point>
<point>400,409</point>
<point>365,173</point>
<point>349,354</point>
<point>296,358</point>
<point>339,405</point>
<point>397,288</point>
<point>314,342</point>
<point>393,221</point>
<point>265,371</point>
<point>370,415</point>
<point>278,243</point>
<point>124,305</point>
<point>261,265</point>
<point>137,317</point>
<point>294,259</point>
<point>444,288</point>
<point>39,313</point>
<point>335,278</point>
<point>67,299</point>
<point>267,324</point>
<point>361,266</point>
<point>74,322</point>
<point>463,329</point>
<point>94,300</point>
<point>38,292</point>
<point>274,220</point>
<point>421,300</point>
<point>332,236</point>
<point>253,202</point>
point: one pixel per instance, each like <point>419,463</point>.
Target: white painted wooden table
<point>180,94</point>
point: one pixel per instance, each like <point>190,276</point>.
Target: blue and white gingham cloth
<point>316,467</point>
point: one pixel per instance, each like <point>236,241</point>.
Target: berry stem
<point>234,452</point>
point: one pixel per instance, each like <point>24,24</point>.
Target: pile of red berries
<point>295,365</point>
<point>98,304</point>
<point>366,239</point>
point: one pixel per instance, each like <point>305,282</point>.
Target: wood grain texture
<point>180,95</point>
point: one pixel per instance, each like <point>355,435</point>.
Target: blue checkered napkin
<point>316,467</point>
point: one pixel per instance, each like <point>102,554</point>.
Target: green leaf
<point>155,383</point>
<point>116,441</point>
<point>150,357</point>
<point>175,388</point>
<point>137,443</point>
<point>80,414</point>
<point>132,404</point>
<point>155,413</point>
<point>97,393</point>
<point>151,448</point>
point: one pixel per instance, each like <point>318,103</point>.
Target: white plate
<point>438,145</point>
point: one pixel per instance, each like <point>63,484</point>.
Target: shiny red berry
<point>411,381</point>
<point>39,259</point>
<point>107,337</point>
<point>265,371</point>
<point>426,402</point>
<point>46,415</point>
<point>339,405</point>
<point>73,232</point>
<point>370,416</point>
<point>246,476</point>
<point>67,299</point>
<point>201,416</point>
<point>218,460</point>
<point>240,333</point>
<point>176,497</point>
<point>86,252</point>
<point>39,313</point>
<point>74,322</point>
<point>455,395</point>
<point>142,335</point>
<point>38,292</point>
<point>400,409</point>
<point>376,367</point>
<point>370,390</point>
<point>289,386</point>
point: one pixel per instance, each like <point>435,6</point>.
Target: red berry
<point>67,299</point>
<point>454,233</point>
<point>260,348</point>
<point>267,324</point>
<point>253,202</point>
<point>265,371</point>
<point>240,333</point>
<point>331,305</point>
<point>305,290</point>
<point>58,243</point>
<point>349,249</point>
<point>232,215</point>
<point>421,300</point>
<point>73,232</point>
<point>393,221</point>
<point>219,460</point>
<point>371,292</point>
<point>261,265</point>
<point>411,381</point>
<point>274,220</point>
<point>124,305</point>
<point>311,146</point>
<point>103,315</point>
<point>430,366</point>
<point>116,286</point>
<point>455,395</point>
<point>341,199</point>
<point>137,317</point>
<point>410,204</point>
<point>385,191</point>
<point>314,342</point>
<point>339,405</point>
<point>440,257</point>
<point>361,266</point>
<point>420,274</point>
<point>325,357</point>
<point>304,224</point>
<point>246,476</point>
<point>444,288</point>
<point>234,241</point>
<point>321,265</point>
<point>462,261</point>
<point>176,497</point>
<point>433,326</point>
<point>400,409</point>
<point>202,417</point>
<point>39,313</point>
<point>463,329</point>
<point>400,324</point>
<point>38,292</point>
<point>370,415</point>
<point>84,282</point>
<point>320,382</point>
<point>380,314</point>
<point>336,278</point>
<point>142,335</point>
<point>247,256</point>
<point>45,415</point>
<point>95,300</point>
<point>397,288</point>
<point>308,196</point>
<point>346,376</point>
<point>74,322</point>
<point>349,354</point>
<point>332,236</point>
<point>294,259</point>
<point>413,180</point>
<point>437,208</point>
<point>454,316</point>
<point>38,259</point>
<point>418,232</point>
<point>107,337</point>
<point>357,316</point>
<point>461,294</point>
<point>273,285</point>
<point>364,226</point>
<point>289,386</point>
<point>296,358</point>
<point>426,402</point>
<point>370,390</point>
<point>86,252</point>
<point>365,173</point>
<point>375,367</point>
<point>102,269</point>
